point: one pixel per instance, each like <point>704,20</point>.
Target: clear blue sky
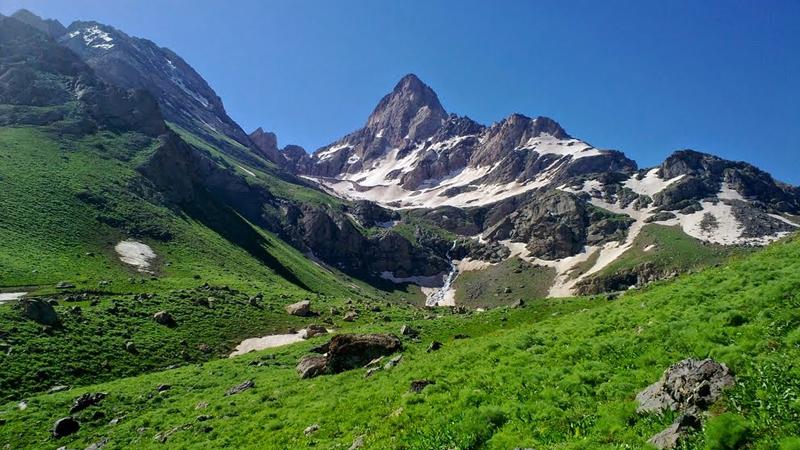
<point>644,77</point>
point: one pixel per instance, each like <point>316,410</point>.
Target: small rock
<point>59,388</point>
<point>164,318</point>
<point>239,388</point>
<point>201,405</point>
<point>418,385</point>
<point>302,309</point>
<point>311,429</point>
<point>65,285</point>
<point>86,400</point>
<point>130,347</point>
<point>163,388</point>
<point>406,330</point>
<point>98,445</point>
<point>672,435</point>
<point>205,348</point>
<point>435,345</point>
<point>65,427</point>
<point>393,362</point>
<point>350,316</point>
<point>358,443</point>
<point>370,372</point>
<point>204,417</point>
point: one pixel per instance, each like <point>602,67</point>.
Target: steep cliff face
<point>134,63</point>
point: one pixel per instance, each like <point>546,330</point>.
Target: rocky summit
<point>424,282</point>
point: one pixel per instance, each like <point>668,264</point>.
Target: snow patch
<point>136,254</point>
<point>7,297</point>
<point>261,343</point>
<point>650,184</point>
<point>327,154</point>
<point>94,37</point>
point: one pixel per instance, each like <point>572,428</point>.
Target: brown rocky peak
<point>266,144</point>
<point>411,111</point>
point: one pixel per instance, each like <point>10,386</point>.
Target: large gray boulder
<point>302,309</point>
<point>689,386</point>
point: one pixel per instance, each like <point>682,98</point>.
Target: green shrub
<point>727,432</point>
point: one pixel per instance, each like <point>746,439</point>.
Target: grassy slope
<point>557,374</point>
<point>673,249</point>
<point>487,288</point>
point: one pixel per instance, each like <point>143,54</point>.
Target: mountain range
<point>422,194</point>
<point>487,286</point>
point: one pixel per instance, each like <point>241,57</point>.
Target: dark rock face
<point>35,71</point>
<point>556,225</point>
<point>623,279</point>
<point>349,351</point>
<point>40,311</point>
<point>183,95</point>
<point>689,386</point>
<point>50,27</point>
<point>703,174</point>
<point>267,144</point>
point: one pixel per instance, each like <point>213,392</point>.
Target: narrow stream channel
<point>441,294</point>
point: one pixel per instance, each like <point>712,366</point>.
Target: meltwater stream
<point>440,295</point>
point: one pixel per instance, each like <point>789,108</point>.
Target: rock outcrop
<point>689,387</point>
<point>349,351</point>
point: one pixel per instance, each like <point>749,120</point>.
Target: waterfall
<point>439,295</point>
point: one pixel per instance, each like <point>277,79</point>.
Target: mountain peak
<point>50,27</point>
<point>411,111</point>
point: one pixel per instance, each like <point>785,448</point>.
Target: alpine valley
<point>168,280</point>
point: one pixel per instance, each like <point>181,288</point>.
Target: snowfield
<point>136,254</point>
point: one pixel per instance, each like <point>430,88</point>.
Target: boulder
<point>40,311</point>
<point>350,316</point>
<point>435,345</point>
<point>689,386</point>
<point>65,427</point>
<point>302,309</point>
<point>65,285</point>
<point>349,351</point>
<point>315,330</point>
<point>311,429</point>
<point>164,318</point>
<point>311,366</point>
